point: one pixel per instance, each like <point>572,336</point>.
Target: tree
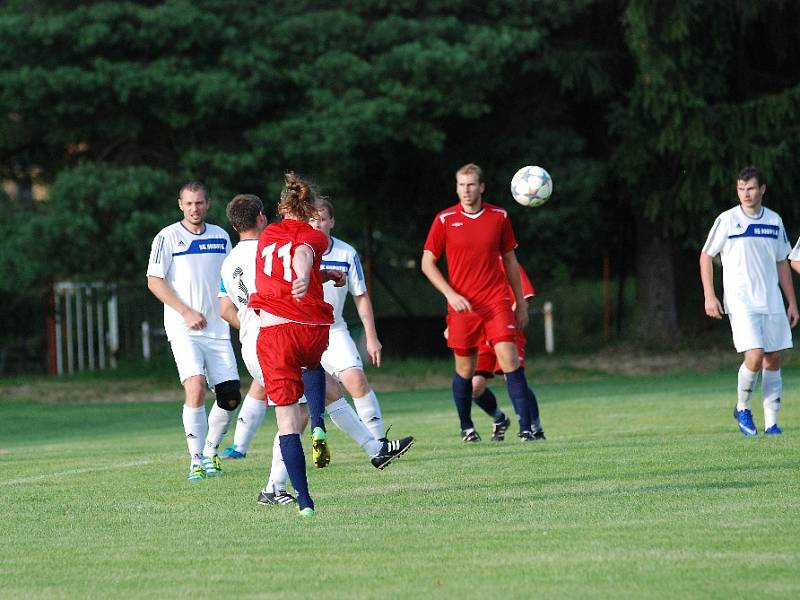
<point>380,103</point>
<point>711,93</point>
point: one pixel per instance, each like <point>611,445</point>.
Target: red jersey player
<point>472,234</point>
<point>295,318</point>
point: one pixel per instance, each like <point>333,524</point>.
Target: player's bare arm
<point>227,310</point>
<point>785,279</point>
<point>164,292</point>
<point>334,275</point>
<point>302,261</point>
<point>713,306</point>
<point>367,316</point>
<point>515,280</point>
<point>795,264</point>
<point>434,275</point>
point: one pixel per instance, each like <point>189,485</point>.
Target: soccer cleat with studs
<point>390,450</point>
<point>499,429</point>
<point>744,418</point>
<point>212,465</point>
<point>320,452</point>
<point>773,430</point>
<point>470,435</point>
<point>196,473</point>
<point>531,436</point>
<point>307,512</point>
<point>278,497</point>
<point>232,453</point>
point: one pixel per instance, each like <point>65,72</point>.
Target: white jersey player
<point>342,359</point>
<point>752,243</point>
<point>183,273</point>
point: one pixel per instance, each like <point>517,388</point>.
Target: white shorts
<point>248,341</point>
<point>341,354</point>
<point>200,355</point>
<point>770,332</point>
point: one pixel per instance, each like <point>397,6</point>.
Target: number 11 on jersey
<point>284,253</point>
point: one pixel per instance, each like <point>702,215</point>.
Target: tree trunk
<point>657,319</point>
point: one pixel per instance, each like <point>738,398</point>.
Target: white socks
<point>346,419</point>
<point>218,421</point>
<point>369,411</point>
<point>746,384</point>
<point>250,417</point>
<point>278,475</point>
<point>771,388</point>
<point>196,426</point>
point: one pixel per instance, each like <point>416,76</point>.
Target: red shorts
<point>283,351</point>
<point>468,330</point>
<point>487,360</point>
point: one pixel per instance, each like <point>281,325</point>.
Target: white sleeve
<point>160,256</point>
<point>223,290</point>
<point>782,247</point>
<point>356,284</point>
<point>716,238</point>
<point>795,253</point>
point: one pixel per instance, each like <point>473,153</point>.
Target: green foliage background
<point>642,111</point>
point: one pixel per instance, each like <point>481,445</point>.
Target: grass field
<point>644,488</point>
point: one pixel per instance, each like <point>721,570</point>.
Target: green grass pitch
<point>644,489</point>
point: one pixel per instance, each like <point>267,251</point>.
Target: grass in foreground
<point>643,489</point>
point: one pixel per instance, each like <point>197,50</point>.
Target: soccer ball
<point>531,186</point>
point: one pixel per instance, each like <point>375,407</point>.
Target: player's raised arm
<point>302,261</point>
<point>337,277</point>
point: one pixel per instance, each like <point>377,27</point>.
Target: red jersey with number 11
<point>274,273</point>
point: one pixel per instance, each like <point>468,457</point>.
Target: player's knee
<point>478,386</point>
<point>771,361</point>
<point>229,394</point>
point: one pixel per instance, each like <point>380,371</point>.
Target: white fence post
<point>549,344</point>
<point>113,329</point>
<point>146,340</point>
<point>58,305</point>
<point>86,323</point>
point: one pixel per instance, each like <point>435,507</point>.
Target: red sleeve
<point>527,285</point>
<point>317,241</point>
<point>435,242</point>
<point>507,240</point>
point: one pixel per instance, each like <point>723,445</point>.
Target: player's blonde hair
<point>469,169</point>
<point>297,198</point>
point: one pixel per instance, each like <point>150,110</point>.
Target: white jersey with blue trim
<point>190,263</point>
<point>749,248</point>
<point>342,256</point>
<point>238,281</point>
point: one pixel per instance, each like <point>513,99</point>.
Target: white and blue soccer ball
<point>531,186</point>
